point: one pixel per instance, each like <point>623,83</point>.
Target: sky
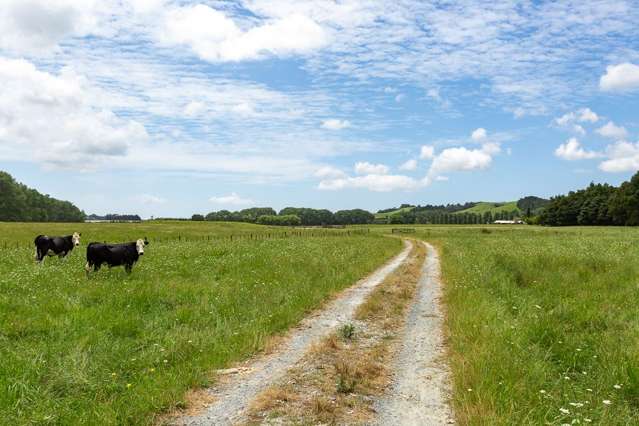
<point>169,108</point>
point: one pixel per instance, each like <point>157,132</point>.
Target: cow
<point>55,246</point>
<point>114,255</point>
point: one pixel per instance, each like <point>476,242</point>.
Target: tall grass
<point>543,323</point>
<point>118,349</point>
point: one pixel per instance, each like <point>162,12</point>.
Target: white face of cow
<point>139,246</point>
<point>75,238</point>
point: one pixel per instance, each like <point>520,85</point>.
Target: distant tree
<point>353,217</point>
<point>251,215</point>
<point>532,205</point>
<point>279,220</point>
<point>197,217</point>
<point>310,217</point>
<point>624,204</point>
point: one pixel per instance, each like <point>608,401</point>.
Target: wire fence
<point>161,239</point>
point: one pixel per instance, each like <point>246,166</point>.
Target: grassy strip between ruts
<point>542,324</point>
<point>337,380</point>
<point>117,349</point>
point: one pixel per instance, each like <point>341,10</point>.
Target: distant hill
<point>19,203</point>
<point>484,206</point>
<point>387,213</point>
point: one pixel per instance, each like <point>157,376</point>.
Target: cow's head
<point>75,239</point>
<point>139,246</point>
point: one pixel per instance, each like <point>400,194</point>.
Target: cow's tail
<point>37,256</point>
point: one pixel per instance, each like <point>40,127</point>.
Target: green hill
<point>386,214</point>
<point>19,203</point>
<point>493,208</point>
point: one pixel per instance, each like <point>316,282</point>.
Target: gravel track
<point>421,388</point>
<point>231,398</point>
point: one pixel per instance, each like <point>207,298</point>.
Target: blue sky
<point>169,108</point>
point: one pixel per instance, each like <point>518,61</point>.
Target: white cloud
<point>329,172</point>
<point>375,178</point>
<point>479,134</point>
<point>409,165</point>
<point>565,119</point>
<point>583,115</point>
<point>399,97</point>
<point>491,148</point>
<point>150,199</point>
<point>579,129</point>
<point>427,152</point>
<point>231,200</point>
<point>434,94</point>
<point>620,77</point>
<point>55,119</point>
<point>335,124</point>
<point>586,114</point>
<point>611,130</point>
<point>461,159</point>
<point>215,37</point>
<point>572,150</point>
<point>36,26</point>
<point>194,108</point>
<point>622,157</point>
<point>372,182</point>
<point>366,168</point>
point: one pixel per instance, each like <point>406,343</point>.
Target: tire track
<point>232,397</point>
<point>421,389</point>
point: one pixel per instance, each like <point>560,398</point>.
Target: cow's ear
<point>146,241</point>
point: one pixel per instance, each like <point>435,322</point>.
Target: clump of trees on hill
<point>19,203</point>
<point>598,204</point>
<point>532,206</point>
<point>292,216</point>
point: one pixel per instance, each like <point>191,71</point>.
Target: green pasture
<point>542,323</point>
<point>120,349</point>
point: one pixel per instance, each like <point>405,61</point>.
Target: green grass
<point>540,321</point>
<point>484,207</point>
<point>118,349</point>
<point>25,233</point>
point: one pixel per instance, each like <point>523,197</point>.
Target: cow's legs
<point>128,267</point>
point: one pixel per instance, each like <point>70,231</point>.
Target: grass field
<point>24,233</point>
<point>118,349</point>
<point>543,323</point>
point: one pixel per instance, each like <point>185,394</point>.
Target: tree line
<point>598,204</point>
<point>444,218</point>
<point>114,217</point>
<point>291,216</point>
<point>19,203</point>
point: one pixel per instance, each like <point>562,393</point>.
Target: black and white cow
<point>55,246</point>
<point>114,254</point>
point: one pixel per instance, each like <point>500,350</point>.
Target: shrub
<point>347,331</point>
